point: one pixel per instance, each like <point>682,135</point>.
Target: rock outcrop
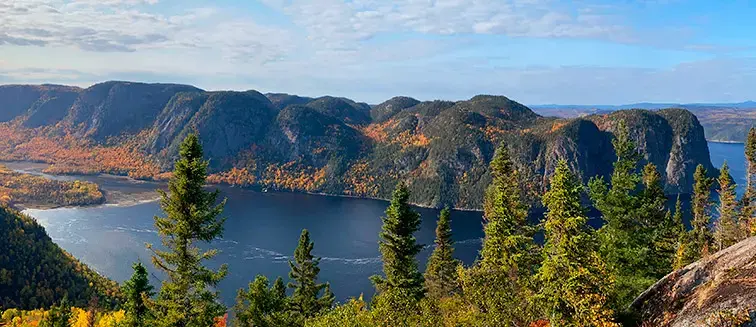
<point>716,291</point>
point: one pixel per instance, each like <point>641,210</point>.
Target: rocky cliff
<point>330,144</point>
<point>716,291</point>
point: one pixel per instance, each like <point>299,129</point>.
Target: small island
<point>28,190</point>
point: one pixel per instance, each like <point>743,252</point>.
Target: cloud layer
<point>368,49</point>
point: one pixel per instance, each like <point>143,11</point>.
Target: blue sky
<point>533,51</point>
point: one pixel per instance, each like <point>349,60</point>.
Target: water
<point>733,153</point>
<point>262,231</point>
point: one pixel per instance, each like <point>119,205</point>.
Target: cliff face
<point>336,145</point>
<point>671,139</point>
<point>716,291</point>
<point>117,108</point>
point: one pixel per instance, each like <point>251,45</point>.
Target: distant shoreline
<point>122,197</point>
<point>725,141</point>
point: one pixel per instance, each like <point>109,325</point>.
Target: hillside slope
<point>35,272</point>
<point>332,145</point>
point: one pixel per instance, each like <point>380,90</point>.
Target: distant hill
<point>722,122</point>
<point>330,144</point>
<point>35,272</point>
<point>644,105</point>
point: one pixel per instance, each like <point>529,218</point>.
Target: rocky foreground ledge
<point>716,291</point>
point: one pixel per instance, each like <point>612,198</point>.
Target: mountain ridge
<point>332,145</point>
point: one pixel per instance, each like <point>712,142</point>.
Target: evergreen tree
<point>58,316</point>
<point>261,306</point>
<point>679,228</point>
<point>573,276</point>
<point>626,239</point>
<point>399,247</point>
<point>441,271</point>
<point>748,201</point>
<point>187,298</point>
<point>658,223</point>
<point>499,284</point>
<point>727,231</point>
<point>508,241</point>
<point>304,275</point>
<point>135,291</point>
<point>699,240</point>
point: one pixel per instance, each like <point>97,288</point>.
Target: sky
<point>532,51</point>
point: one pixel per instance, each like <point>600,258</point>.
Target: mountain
<point>35,272</point>
<point>723,122</point>
<point>719,290</point>
<point>330,144</point>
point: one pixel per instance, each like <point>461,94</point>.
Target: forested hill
<point>329,144</point>
<point>35,272</point>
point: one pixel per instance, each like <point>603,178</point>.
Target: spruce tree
<point>573,275</point>
<point>399,247</point>
<point>499,284</point>
<point>441,271</point>
<point>699,239</point>
<point>187,297</point>
<point>508,241</point>
<point>58,316</point>
<point>727,232</point>
<point>657,223</point>
<point>626,239</point>
<point>260,306</point>
<point>135,291</point>
<point>305,300</point>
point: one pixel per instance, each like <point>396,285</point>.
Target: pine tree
<point>187,298</point>
<point>135,291</point>
<point>58,316</point>
<point>399,247</point>
<point>699,239</point>
<point>441,271</point>
<point>304,275</point>
<point>260,306</point>
<point>573,276</point>
<point>499,284</point>
<point>727,231</point>
<point>626,239</point>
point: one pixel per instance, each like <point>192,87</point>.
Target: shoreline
<point>121,197</point>
<point>725,142</point>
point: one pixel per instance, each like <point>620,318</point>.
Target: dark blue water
<point>733,154</point>
<point>261,233</point>
<point>263,228</point>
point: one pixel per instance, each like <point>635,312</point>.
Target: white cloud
<point>339,24</point>
<point>128,26</point>
<point>366,49</point>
